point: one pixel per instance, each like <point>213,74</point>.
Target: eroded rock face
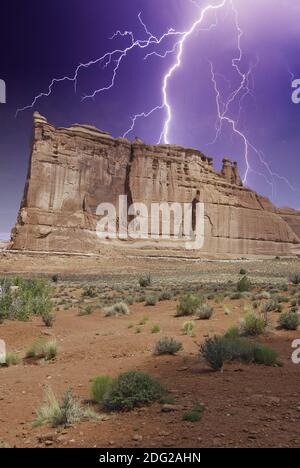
<point>73,170</point>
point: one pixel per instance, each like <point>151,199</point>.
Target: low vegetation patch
<point>252,325</point>
<point>188,304</point>
<point>11,359</point>
<point>188,328</point>
<point>196,413</point>
<point>244,285</point>
<point>21,299</point>
<point>218,350</point>
<point>289,321</point>
<point>167,346</point>
<point>145,280</point>
<point>61,413</point>
<point>151,301</point>
<point>204,312</point>
<point>100,387</point>
<point>132,389</point>
<point>118,309</point>
<point>42,349</point>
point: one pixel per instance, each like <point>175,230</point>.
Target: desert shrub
<point>214,352</point>
<point>165,296</point>
<point>100,387</point>
<point>11,359</point>
<point>295,302</point>
<point>289,321</point>
<point>243,272</point>
<point>188,328</point>
<point>204,312</point>
<point>252,325</point>
<point>55,278</point>
<point>236,296</point>
<point>188,304</point>
<point>90,292</point>
<point>263,295</point>
<point>244,285</point>
<point>48,318</point>
<point>118,309</point>
<point>195,414</point>
<point>130,300</point>
<point>23,298</point>
<point>295,278</point>
<point>145,280</point>
<point>151,301</point>
<point>167,345</point>
<point>218,350</point>
<point>282,299</point>
<point>42,349</point>
<point>270,306</point>
<point>132,389</point>
<point>155,329</point>
<point>144,320</point>
<point>61,413</point>
<point>232,332</point>
<point>84,311</point>
<point>227,309</point>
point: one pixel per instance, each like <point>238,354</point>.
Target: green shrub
<point>295,278</point>
<point>218,350</point>
<point>166,346</point>
<point>23,298</point>
<point>289,321</point>
<point>42,349</point>
<point>195,414</point>
<point>232,332</point>
<point>236,296</point>
<point>100,387</point>
<point>243,272</point>
<point>144,320</point>
<point>244,285</point>
<point>264,295</point>
<point>270,306</point>
<point>188,304</point>
<point>214,352</point>
<point>132,389</point>
<point>145,281</point>
<point>130,300</point>
<point>252,325</point>
<point>11,359</point>
<point>165,296</point>
<point>90,292</point>
<point>48,318</point>
<point>55,278</point>
<point>118,309</point>
<point>188,328</point>
<point>64,413</point>
<point>155,329</point>
<point>204,312</point>
<point>151,301</point>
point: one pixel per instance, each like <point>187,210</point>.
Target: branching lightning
<point>154,46</point>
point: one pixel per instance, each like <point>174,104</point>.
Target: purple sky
<point>43,40</point>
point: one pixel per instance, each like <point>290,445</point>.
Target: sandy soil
<point>246,406</point>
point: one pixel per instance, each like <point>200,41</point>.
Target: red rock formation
<point>73,170</point>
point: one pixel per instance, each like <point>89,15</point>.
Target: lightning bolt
<point>223,105</point>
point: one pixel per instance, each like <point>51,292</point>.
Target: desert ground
<point>246,405</point>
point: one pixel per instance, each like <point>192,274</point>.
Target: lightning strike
<point>150,41</point>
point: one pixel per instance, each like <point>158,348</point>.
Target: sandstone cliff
<point>74,169</point>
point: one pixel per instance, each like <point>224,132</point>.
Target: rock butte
<point>74,169</point>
